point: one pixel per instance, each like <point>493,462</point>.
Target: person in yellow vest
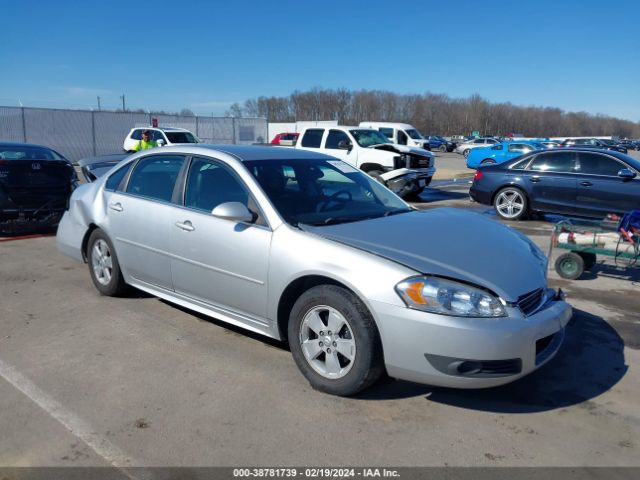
<point>145,143</point>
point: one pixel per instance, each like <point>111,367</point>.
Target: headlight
<point>437,295</point>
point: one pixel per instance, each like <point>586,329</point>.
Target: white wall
<point>290,127</point>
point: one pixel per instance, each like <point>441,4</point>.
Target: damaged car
<point>405,170</point>
<point>303,247</point>
<point>35,185</point>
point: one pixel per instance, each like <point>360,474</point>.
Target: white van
<point>399,133</point>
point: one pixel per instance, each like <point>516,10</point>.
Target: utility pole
<point>99,109</point>
<point>123,105</point>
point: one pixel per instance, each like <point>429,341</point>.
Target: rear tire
<point>103,265</point>
<point>414,196</point>
<point>466,153</point>
<point>487,161</point>
<point>443,148</point>
<point>334,341</point>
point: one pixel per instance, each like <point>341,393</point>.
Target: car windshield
<point>28,153</point>
<point>182,137</point>
<point>323,192</point>
<point>607,142</point>
<point>368,138</point>
<point>413,133</point>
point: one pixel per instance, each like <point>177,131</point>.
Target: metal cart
<point>585,241</point>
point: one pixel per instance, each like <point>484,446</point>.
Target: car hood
<point>450,243</point>
<point>393,147</point>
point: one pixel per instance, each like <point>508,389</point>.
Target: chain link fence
<point>78,134</point>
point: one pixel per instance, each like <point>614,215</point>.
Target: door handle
<point>187,226</point>
<point>116,206</point>
<point>586,184</point>
<point>534,179</point>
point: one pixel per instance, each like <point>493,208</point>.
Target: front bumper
<point>404,181</point>
<point>432,349</point>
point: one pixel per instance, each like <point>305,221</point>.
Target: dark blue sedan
<point>570,181</point>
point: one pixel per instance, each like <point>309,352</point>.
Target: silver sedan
<point>301,246</point>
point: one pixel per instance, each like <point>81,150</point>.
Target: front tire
<point>487,161</point>
<point>466,153</point>
<point>376,174</point>
<point>511,204</point>
<point>103,265</point>
<point>334,341</point>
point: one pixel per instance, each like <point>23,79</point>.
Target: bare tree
<point>434,113</point>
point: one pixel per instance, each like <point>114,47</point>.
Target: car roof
<point>164,129</point>
<point>246,153</point>
<point>20,144</point>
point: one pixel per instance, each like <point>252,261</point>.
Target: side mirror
<point>344,145</point>
<point>234,211</point>
<point>627,174</point>
<point>160,143</point>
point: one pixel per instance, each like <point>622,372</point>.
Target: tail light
<point>477,176</point>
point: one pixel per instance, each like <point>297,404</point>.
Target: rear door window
<point>596,164</point>
<point>553,162</point>
<point>154,177</point>
<point>520,147</point>
<point>312,138</point>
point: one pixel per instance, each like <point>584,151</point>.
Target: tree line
<point>433,113</point>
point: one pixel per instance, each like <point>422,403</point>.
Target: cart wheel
<point>589,259</point>
<point>570,265</point>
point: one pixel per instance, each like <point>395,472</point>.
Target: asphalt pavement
<point>92,380</point>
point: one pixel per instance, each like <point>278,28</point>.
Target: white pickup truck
<point>404,170</point>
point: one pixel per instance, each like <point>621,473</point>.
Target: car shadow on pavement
<point>590,362</point>
<point>436,195</point>
<point>621,271</point>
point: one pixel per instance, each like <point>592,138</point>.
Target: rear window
<point>312,138</point>
<point>28,153</point>
<point>181,137</point>
<point>115,180</point>
<point>387,132</point>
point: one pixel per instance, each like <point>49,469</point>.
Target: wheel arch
<point>300,285</point>
<point>370,166</point>
<point>85,241</point>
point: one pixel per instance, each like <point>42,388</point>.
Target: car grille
<point>420,162</point>
<point>529,302</point>
<point>501,367</point>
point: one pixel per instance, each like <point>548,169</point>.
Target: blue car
<point>583,182</point>
<point>501,152</point>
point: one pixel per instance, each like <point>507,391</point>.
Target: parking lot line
<point>76,425</point>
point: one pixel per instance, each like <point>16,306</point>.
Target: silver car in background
<point>466,147</point>
<point>301,246</point>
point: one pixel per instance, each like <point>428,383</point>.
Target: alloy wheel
<point>510,203</point>
<point>327,342</point>
<point>102,262</point>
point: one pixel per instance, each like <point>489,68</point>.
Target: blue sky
<point>205,55</point>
